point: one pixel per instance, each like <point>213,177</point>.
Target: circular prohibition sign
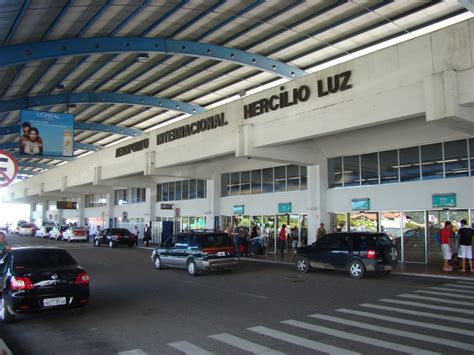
<point>8,168</point>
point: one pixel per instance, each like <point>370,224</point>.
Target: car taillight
<point>82,278</point>
<point>371,254</point>
<point>20,283</point>
<point>116,237</point>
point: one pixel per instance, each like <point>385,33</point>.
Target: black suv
<point>114,237</point>
<point>196,251</point>
<point>357,253</point>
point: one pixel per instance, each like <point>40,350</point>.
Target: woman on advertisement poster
<point>33,145</point>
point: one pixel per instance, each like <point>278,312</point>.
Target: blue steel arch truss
<point>30,52</point>
<point>91,97</point>
<point>77,145</point>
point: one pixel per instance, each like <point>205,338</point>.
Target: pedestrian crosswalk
<point>426,321</point>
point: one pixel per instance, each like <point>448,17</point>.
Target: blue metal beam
<point>30,52</point>
<point>29,164</point>
<point>17,155</point>
<point>86,146</point>
<point>85,126</point>
<point>83,146</point>
<point>27,172</point>
<point>17,21</point>
<point>114,98</point>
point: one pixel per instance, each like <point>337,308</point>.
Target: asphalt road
<point>263,308</point>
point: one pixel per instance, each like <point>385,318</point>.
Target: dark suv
<point>114,237</point>
<point>357,253</point>
<point>196,251</point>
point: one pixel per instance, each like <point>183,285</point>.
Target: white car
<point>75,233</point>
<point>27,229</point>
<point>57,232</point>
<point>42,233</point>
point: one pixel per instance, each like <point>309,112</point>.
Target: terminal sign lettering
<point>133,147</point>
<point>335,83</point>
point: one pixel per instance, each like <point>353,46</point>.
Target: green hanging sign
<point>238,209</point>
<point>443,200</point>
<point>360,204</point>
<point>284,207</point>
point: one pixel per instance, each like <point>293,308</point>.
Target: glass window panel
<point>234,184</point>
<point>267,178</point>
<point>280,178</point>
<point>225,185</point>
<point>388,166</point>
<point>293,172</point>
<point>335,172</point>
<point>171,191</point>
<point>201,188</point>
<point>471,154</point>
<point>351,171</point>
<point>410,164</point>
<point>245,183</point>
<point>165,192</point>
<point>256,176</point>
<point>455,158</point>
<point>303,177</point>
<point>192,189</point>
<point>369,169</point>
<point>432,161</point>
<point>185,190</point>
<point>177,193</point>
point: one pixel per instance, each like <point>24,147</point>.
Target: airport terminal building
<point>384,142</point>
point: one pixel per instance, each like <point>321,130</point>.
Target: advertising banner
<point>46,133</point>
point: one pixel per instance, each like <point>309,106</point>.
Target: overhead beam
<point>83,146</point>
<point>27,172</point>
<point>468,4</point>
<point>29,164</point>
<point>106,98</point>
<point>30,52</point>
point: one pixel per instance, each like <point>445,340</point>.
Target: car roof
<point>16,250</point>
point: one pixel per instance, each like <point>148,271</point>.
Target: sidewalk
<point>410,269</point>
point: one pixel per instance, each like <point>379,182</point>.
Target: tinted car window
<point>216,240</point>
<point>329,241</point>
<point>345,241</point>
<point>181,241</point>
<point>42,259</point>
<point>194,241</point>
<point>120,231</point>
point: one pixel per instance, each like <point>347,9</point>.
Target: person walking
<point>136,233</point>
<point>147,235</point>
<point>446,236</point>
<point>321,231</point>
<point>282,239</point>
<point>4,247</point>
<point>465,245</point>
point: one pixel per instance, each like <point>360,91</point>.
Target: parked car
<point>75,233</point>
<point>40,279</point>
<point>57,232</point>
<point>114,237</point>
<point>357,253</point>
<point>18,225</point>
<point>27,229</point>
<point>42,233</point>
<point>196,252</point>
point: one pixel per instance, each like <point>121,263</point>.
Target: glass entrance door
<point>268,231</point>
<point>414,238</point>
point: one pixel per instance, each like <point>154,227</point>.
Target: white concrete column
<point>44,216</point>
<point>32,211</point>
<point>317,210</point>
<point>151,196</point>
<point>60,216</point>
<point>109,214</point>
<point>213,197</point>
<point>80,206</point>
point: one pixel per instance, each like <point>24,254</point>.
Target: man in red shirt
<point>446,235</point>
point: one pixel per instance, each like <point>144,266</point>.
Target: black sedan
<point>40,279</point>
<point>114,237</point>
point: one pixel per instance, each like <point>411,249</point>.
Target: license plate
<point>51,302</point>
<point>221,253</point>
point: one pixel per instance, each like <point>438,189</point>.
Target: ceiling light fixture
<point>142,57</point>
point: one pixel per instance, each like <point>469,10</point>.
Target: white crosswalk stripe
<point>408,322</point>
<point>401,333</point>
<point>418,313</point>
<point>444,294</point>
<point>245,344</point>
<point>429,306</point>
<point>188,348</point>
<point>434,299</point>
<point>358,338</point>
<point>454,286</point>
<point>451,290</point>
<point>466,283</point>
<point>293,339</point>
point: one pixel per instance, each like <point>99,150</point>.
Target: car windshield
<point>42,259</point>
<point>216,240</point>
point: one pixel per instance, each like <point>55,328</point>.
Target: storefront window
<point>185,190</point>
<point>335,172</point>
<point>280,179</point>
<point>410,164</point>
<point>192,189</point>
<point>267,180</point>
<point>159,192</point>
<point>363,222</point>
<point>391,224</point>
<point>351,171</point>
<point>293,173</point>
<point>432,161</point>
<point>341,222</point>
<point>171,191</point>
<point>369,169</point>
<point>471,154</point>
<point>414,242</point>
<point>225,185</point>
<point>177,195</point>
<point>201,188</point>
<point>165,192</point>
<point>245,183</point>
<point>388,166</point>
<point>456,158</point>
<point>256,176</point>
<point>235,184</point>
<point>303,177</point>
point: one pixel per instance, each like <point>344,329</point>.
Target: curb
<point>4,348</point>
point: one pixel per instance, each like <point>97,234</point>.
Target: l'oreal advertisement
<point>46,133</point>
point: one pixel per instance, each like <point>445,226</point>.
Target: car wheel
<point>356,269</point>
<point>302,264</point>
<point>111,244</point>
<point>192,269</point>
<point>5,314</point>
<point>97,243</point>
<point>157,263</point>
<point>390,254</point>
